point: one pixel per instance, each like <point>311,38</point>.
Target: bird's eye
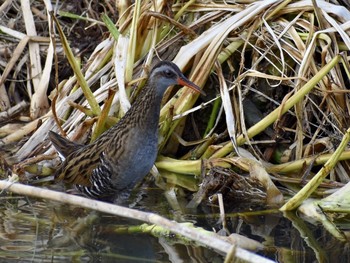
<point>168,73</point>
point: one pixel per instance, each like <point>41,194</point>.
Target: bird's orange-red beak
<point>185,82</point>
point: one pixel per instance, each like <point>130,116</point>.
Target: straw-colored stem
<point>312,185</point>
<point>100,125</point>
<point>132,44</point>
<point>80,78</point>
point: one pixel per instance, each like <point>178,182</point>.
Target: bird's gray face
<point>166,74</point>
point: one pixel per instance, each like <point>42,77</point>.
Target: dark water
<point>33,230</point>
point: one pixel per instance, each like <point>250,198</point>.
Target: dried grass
<point>291,59</point>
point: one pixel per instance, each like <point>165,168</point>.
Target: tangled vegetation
<point>274,123</point>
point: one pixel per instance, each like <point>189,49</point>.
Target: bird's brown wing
<point>78,166</point>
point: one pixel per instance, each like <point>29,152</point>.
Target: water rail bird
<point>124,154</point>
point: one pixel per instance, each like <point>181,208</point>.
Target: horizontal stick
<point>209,240</point>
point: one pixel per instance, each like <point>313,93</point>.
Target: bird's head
<point>166,73</point>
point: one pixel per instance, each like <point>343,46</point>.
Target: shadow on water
<point>34,230</point>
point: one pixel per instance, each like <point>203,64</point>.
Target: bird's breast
<point>144,154</point>
<point>139,155</point>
